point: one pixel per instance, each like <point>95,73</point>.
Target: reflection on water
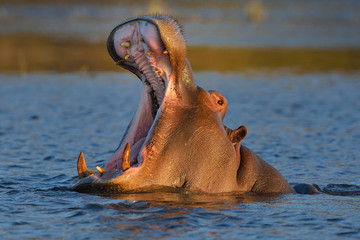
<point>191,200</point>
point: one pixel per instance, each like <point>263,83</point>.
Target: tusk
<point>126,158</point>
<point>81,166</point>
<point>126,44</point>
<point>101,170</point>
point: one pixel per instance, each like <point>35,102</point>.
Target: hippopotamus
<point>177,139</point>
<point>237,135</point>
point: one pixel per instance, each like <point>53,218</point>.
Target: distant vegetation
<point>27,53</point>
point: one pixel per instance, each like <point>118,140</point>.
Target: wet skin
<point>176,139</point>
<point>237,135</point>
<point>221,104</point>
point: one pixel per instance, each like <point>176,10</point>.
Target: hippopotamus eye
<point>220,102</point>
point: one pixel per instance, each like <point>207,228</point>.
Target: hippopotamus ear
<point>238,134</point>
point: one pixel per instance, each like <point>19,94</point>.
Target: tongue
<point>117,158</point>
<point>137,130</point>
<point>135,150</point>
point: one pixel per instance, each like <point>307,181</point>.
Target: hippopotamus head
<point>176,139</point>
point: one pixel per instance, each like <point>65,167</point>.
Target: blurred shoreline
<point>225,36</point>
<point>23,53</point>
<point>227,23</point>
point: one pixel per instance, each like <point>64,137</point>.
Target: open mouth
<point>136,45</point>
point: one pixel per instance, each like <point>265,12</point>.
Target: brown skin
<point>268,173</point>
<point>254,174</point>
<point>257,176</point>
<point>187,146</point>
<point>221,104</point>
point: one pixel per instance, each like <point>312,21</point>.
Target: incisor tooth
<point>126,158</point>
<point>126,44</point>
<point>101,170</point>
<point>127,56</point>
<point>119,62</point>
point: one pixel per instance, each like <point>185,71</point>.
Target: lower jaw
<point>138,130</point>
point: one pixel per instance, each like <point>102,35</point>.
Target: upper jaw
<point>136,45</point>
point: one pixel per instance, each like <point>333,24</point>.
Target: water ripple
<point>305,126</point>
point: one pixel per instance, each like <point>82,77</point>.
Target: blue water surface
<point>306,126</point>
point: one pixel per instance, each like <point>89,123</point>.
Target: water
<point>307,126</point>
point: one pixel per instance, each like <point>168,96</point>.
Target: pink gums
<point>139,45</point>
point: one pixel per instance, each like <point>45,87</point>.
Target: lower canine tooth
<point>81,167</point>
<point>127,56</point>
<point>126,158</point>
<point>165,52</point>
